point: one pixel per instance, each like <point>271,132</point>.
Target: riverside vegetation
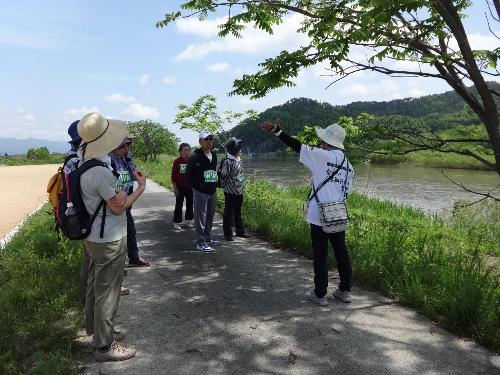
<point>447,270</point>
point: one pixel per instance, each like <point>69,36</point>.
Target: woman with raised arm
<point>331,181</point>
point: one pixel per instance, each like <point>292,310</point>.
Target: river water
<point>426,189</point>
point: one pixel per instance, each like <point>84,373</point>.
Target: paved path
<point>242,310</point>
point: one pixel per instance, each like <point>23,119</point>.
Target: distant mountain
<point>14,146</point>
<point>439,111</point>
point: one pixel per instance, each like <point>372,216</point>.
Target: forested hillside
<point>439,112</point>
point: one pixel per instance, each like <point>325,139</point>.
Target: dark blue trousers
<point>132,249</point>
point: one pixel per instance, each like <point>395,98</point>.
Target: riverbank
<point>437,267</point>
<point>430,159</point>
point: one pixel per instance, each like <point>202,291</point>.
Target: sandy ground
<point>23,189</point>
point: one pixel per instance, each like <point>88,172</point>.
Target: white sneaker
<point>116,352</point>
<point>189,224</point>
<point>177,226</point>
<point>343,296</point>
<point>204,247</point>
<point>318,301</point>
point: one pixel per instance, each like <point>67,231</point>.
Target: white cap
<point>204,134</point>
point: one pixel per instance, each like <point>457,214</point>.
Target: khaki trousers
<point>84,275</point>
<point>103,288</point>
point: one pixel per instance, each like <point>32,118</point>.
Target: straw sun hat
<point>100,135</point>
<point>334,135</point>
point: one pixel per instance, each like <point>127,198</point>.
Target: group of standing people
<point>108,194</point>
<point>195,179</point>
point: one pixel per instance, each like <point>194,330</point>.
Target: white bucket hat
<point>100,135</point>
<point>334,135</point>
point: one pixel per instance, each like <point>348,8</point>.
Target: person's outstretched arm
<point>275,128</point>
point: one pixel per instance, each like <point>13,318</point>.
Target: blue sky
<point>62,59</point>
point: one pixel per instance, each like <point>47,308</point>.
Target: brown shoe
<point>139,263</point>
<point>116,352</point>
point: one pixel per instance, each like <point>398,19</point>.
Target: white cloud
<point>218,68</point>
<point>206,29</point>
<point>22,115</point>
<point>142,111</point>
<point>143,79</point>
<point>77,113</point>
<point>253,41</point>
<point>169,80</point>
<point>381,90</point>
<point>119,98</point>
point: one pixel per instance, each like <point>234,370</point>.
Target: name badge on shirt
<point>123,180</point>
<point>182,168</point>
<point>210,176</point>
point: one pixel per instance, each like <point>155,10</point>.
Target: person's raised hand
<point>266,126</point>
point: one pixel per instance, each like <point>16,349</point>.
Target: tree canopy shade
<point>428,34</point>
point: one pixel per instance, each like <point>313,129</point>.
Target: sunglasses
<point>209,139</point>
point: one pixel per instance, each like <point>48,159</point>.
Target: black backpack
<point>72,216</point>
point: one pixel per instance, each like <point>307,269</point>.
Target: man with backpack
<point>107,241</point>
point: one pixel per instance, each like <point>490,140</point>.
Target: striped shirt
<point>231,173</point>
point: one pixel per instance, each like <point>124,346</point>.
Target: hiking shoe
<point>139,263</point>
<point>124,291</point>
<point>229,238</point>
<point>318,301</point>
<point>116,352</point>
<point>215,243</point>
<point>117,336</point>
<point>204,247</point>
<point>243,235</point>
<point>177,226</point>
<point>343,296</point>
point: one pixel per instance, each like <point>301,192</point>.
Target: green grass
<point>431,159</point>
<point>38,289</point>
<point>437,267</point>
<point>23,160</point>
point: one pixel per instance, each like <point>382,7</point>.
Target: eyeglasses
<point>209,139</point>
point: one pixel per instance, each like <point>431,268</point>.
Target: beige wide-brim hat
<point>100,135</point>
<point>334,135</point>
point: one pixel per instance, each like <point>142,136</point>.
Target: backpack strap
<point>81,170</point>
